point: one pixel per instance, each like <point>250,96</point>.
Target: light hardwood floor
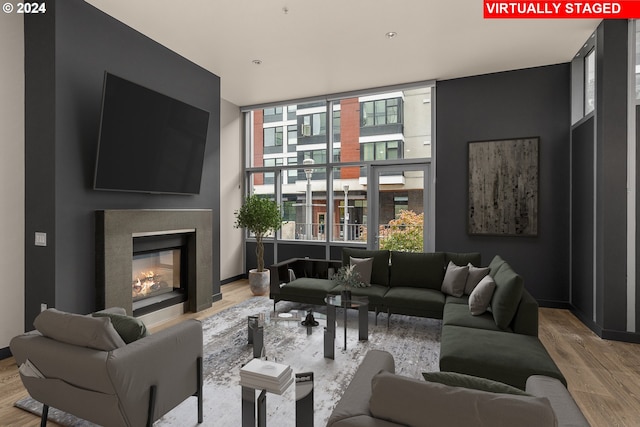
<point>603,376</point>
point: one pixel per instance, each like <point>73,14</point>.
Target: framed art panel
<point>503,187</point>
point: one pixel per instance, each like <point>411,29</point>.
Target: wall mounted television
<point>148,142</point>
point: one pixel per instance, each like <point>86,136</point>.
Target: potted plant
<point>260,216</point>
<point>349,278</point>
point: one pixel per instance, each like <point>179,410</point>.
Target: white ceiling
<point>331,46</point>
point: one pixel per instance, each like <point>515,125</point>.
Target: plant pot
<point>259,282</point>
<point>346,295</point>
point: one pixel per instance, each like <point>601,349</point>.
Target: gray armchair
<point>80,365</point>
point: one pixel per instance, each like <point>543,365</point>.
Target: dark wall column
<point>611,174</point>
<point>40,167</point>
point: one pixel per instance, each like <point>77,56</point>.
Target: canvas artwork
<point>503,187</point>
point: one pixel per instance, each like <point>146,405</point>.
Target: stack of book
<point>265,375</point>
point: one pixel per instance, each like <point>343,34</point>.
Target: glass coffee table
<point>361,303</point>
<point>257,324</point>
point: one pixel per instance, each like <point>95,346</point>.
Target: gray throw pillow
<point>85,331</point>
<point>129,328</point>
<point>455,379</point>
<point>475,275</point>
<point>363,267</point>
<point>481,296</point>
<point>455,279</point>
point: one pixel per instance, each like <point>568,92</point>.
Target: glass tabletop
<point>353,302</point>
<point>266,318</point>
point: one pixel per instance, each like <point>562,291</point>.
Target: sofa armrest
<point>567,411</point>
<point>355,400</point>
<point>167,359</point>
<point>279,273</point>
<point>364,421</point>
<point>525,320</point>
<point>301,267</point>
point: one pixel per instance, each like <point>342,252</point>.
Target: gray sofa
<point>376,397</point>
<point>501,344</point>
<point>88,367</point>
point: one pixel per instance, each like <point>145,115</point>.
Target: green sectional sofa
<point>500,344</point>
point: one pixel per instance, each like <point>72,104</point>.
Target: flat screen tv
<point>148,142</point>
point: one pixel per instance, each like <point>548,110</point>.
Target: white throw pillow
<point>480,298</point>
<point>475,275</point>
<point>455,279</point>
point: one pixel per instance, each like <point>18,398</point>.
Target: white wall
<point>231,161</point>
<point>11,177</point>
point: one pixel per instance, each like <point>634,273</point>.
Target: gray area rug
<point>414,342</point>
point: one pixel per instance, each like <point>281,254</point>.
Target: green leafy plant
<point>403,233</point>
<point>348,277</point>
<point>260,216</point>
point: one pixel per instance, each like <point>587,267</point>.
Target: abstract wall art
<point>503,187</point>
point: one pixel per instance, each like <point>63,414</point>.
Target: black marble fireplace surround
<point>115,230</point>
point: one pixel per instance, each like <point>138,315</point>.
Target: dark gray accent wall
<point>67,51</point>
<point>582,217</point>
<point>521,103</point>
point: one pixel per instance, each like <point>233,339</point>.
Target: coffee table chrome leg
<point>330,332</point>
<point>345,327</point>
<point>363,322</point>
<point>258,342</point>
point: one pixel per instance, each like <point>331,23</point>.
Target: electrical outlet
<point>41,239</point>
<point>43,306</point>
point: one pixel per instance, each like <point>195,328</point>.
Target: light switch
<point>41,239</point>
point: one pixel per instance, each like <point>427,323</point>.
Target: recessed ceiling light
<point>257,62</point>
<point>391,34</point>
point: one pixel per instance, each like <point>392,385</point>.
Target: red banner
<point>561,9</point>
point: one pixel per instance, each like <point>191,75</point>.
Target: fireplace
<point>160,266</point>
<point>147,245</point>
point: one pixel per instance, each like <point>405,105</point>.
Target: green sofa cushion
<point>415,301</point>
<point>455,379</point>
<point>459,315</point>
<point>507,295</point>
<point>463,258</point>
<point>464,299</point>
<point>421,270</point>
<point>495,265</point>
<point>307,286</point>
<point>129,328</point>
<point>505,357</point>
<point>380,267</point>
<point>374,292</point>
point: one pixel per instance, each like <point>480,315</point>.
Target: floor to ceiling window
<point>315,159</point>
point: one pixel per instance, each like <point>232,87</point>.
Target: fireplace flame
<point>145,283</point>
